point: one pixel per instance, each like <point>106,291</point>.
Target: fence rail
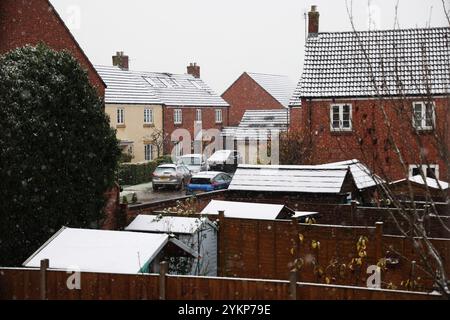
<point>20,283</point>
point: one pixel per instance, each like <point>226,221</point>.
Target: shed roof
<point>353,64</point>
<point>136,87</point>
<point>166,224</point>
<point>278,86</point>
<point>100,250</point>
<point>244,210</point>
<point>430,182</point>
<point>362,175</point>
<point>303,179</point>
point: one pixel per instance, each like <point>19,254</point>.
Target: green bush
<point>136,173</point>
<point>164,159</point>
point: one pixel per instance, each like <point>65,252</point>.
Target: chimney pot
<point>313,21</point>
<point>121,60</point>
<point>194,70</point>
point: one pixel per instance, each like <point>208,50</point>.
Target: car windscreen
<point>164,170</point>
<point>191,161</point>
<point>200,181</point>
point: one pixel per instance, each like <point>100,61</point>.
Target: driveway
<point>145,193</point>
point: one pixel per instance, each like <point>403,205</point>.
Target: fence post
<point>221,238</point>
<point>379,240</point>
<point>293,285</point>
<point>45,264</point>
<point>353,209</point>
<point>163,268</point>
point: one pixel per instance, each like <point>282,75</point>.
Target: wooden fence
<point>268,249</point>
<point>34,284</point>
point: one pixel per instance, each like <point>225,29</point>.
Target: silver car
<point>194,162</point>
<point>172,175</point>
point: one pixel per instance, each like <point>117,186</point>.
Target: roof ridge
<point>380,31</point>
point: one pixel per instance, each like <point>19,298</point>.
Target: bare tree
<point>399,118</point>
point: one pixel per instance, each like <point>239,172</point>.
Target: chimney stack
<point>313,21</point>
<point>194,70</point>
<point>120,60</point>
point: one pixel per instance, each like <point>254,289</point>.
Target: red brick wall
<point>369,125</point>
<point>25,22</point>
<point>208,121</point>
<point>246,94</point>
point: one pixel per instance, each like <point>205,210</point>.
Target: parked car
<point>207,181</point>
<point>195,162</point>
<point>175,175</point>
<point>225,161</point>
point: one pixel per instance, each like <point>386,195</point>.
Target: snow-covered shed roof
<point>430,182</point>
<point>244,210</point>
<point>101,250</point>
<point>135,87</point>
<point>259,124</point>
<point>278,86</point>
<point>166,224</point>
<point>303,179</point>
<point>362,175</point>
<point>353,64</point>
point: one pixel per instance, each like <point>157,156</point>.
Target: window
<point>177,116</point>
<point>120,116</point>
<point>198,115</point>
<point>218,116</point>
<point>424,115</point>
<point>148,152</point>
<point>341,117</point>
<point>150,81</point>
<point>166,82</point>
<point>431,171</point>
<point>196,84</point>
<point>178,149</point>
<point>148,116</point>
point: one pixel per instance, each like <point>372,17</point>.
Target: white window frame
<point>341,117</point>
<point>148,116</point>
<point>178,149</point>
<point>423,125</point>
<point>219,116</point>
<point>424,169</point>
<point>120,116</point>
<point>177,116</point>
<point>148,152</point>
<point>198,115</point>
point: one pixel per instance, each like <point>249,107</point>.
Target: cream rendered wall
<point>134,128</point>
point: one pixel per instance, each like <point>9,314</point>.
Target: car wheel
<point>182,186</point>
<point>155,188</point>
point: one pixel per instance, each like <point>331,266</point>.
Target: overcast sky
<point>225,37</point>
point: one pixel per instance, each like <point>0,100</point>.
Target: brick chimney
<point>121,60</point>
<point>194,70</point>
<point>313,21</point>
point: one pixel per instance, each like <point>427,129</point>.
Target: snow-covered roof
<point>430,182</point>
<point>100,250</point>
<point>351,64</point>
<point>135,87</point>
<point>166,224</point>
<point>362,175</point>
<point>303,179</point>
<point>220,156</point>
<point>244,210</point>
<point>259,124</point>
<point>278,86</point>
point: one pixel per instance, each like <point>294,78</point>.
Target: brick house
<point>362,94</point>
<point>29,22</point>
<point>257,91</point>
<point>141,103</point>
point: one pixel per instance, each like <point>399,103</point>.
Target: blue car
<point>207,181</point>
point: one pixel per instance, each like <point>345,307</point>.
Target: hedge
<point>136,173</point>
